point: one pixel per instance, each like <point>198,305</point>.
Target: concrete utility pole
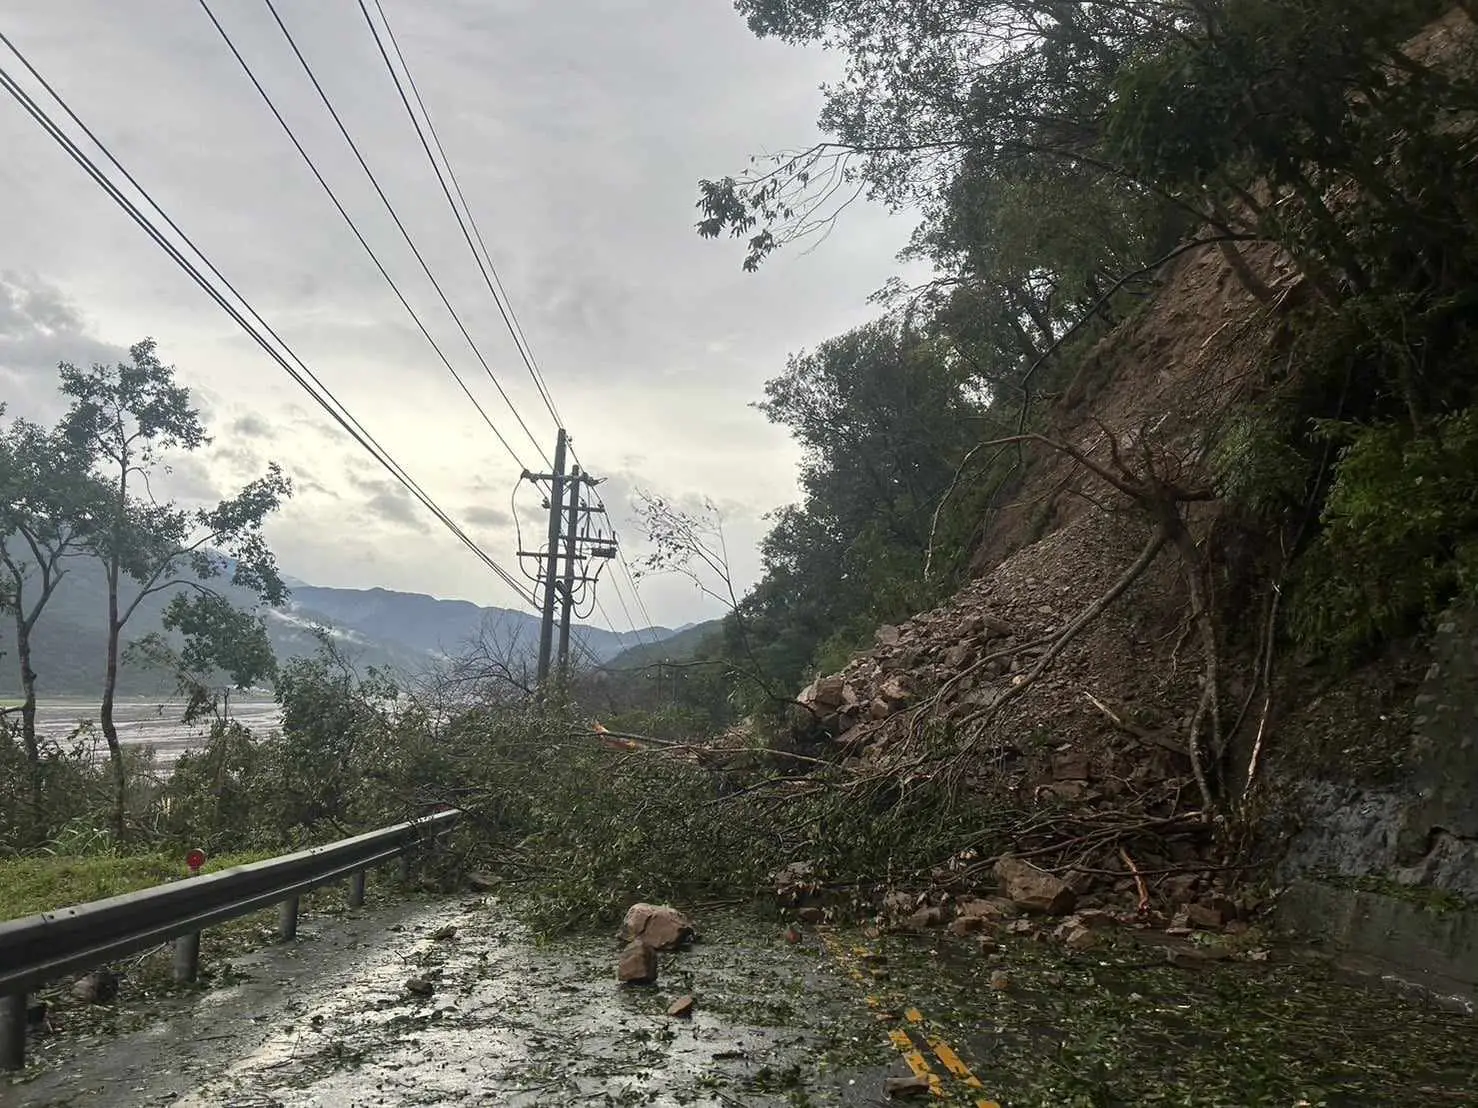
<point>567,593</point>
<point>565,512</point>
<point>556,520</point>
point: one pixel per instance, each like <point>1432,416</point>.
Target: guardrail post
<point>405,866</point>
<point>187,958</point>
<point>356,889</point>
<point>12,1031</point>
<point>287,920</point>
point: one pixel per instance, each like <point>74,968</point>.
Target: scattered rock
<point>906,1086</point>
<point>1000,980</point>
<point>811,914</point>
<point>990,908</point>
<point>638,964</point>
<point>442,934</point>
<point>1071,765</point>
<point>961,926</point>
<point>1033,889</point>
<point>895,690</point>
<point>931,916</point>
<point>420,986</point>
<point>829,692</point>
<point>482,882</point>
<point>681,1008</point>
<point>99,987</point>
<point>1202,916</point>
<point>792,934</point>
<point>1079,937</point>
<point>658,926</point>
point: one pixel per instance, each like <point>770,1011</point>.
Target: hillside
<point>375,627</point>
<point>678,646</point>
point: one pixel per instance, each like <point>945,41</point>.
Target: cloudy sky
<point>578,131</point>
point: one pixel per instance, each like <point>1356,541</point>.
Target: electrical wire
<point>302,376</point>
<point>490,270</point>
<point>390,209</point>
<point>359,235</point>
<point>489,273</point>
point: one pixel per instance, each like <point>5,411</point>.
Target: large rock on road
<point>657,925</point>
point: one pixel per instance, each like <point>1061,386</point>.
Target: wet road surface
<point>328,1021</point>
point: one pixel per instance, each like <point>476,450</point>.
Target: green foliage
<point>50,882</point>
<point>1259,465</point>
<point>1400,534</point>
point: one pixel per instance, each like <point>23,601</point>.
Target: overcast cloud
<point>578,131</point>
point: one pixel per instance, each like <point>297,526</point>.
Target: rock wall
<point>1388,876</point>
<point>1423,831</point>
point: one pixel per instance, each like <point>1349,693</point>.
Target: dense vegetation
<point>1062,155</point>
<point>1062,158</point>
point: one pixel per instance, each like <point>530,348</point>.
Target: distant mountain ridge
<point>402,631</point>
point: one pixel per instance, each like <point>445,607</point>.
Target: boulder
<point>638,964</point>
<point>1204,916</point>
<point>992,909</point>
<point>879,708</point>
<point>830,692</point>
<point>656,925</point>
<point>1033,889</point>
<point>888,636</point>
<point>924,918</point>
<point>1071,765</point>
<point>958,657</point>
<point>895,691</point>
<point>99,987</point>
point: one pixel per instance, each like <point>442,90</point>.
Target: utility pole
<point>565,512</point>
<point>567,593</point>
<point>556,521</point>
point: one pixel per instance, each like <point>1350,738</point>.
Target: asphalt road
<point>328,1021</point>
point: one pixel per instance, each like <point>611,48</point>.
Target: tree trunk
<point>35,829</point>
<point>110,685</point>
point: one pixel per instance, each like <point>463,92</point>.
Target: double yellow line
<point>903,1039</point>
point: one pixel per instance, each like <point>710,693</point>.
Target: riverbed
<point>153,724</point>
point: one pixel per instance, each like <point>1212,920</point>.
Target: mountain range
<point>402,631</point>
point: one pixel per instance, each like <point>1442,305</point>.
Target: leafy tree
<point>929,87</point>
<point>49,501</point>
<point>219,638</point>
<point>885,414</point>
<point>125,418</point>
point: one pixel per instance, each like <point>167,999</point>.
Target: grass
<point>44,884</point>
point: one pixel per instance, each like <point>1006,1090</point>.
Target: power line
<point>326,399</point>
<point>490,270</point>
<point>354,227</point>
<point>390,208</point>
<point>489,273</point>
<point>616,587</point>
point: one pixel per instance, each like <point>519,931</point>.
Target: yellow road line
<point>904,1041</point>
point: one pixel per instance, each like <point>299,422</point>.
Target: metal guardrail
<point>40,948</point>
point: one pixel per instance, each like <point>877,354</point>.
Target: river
<point>149,723</point>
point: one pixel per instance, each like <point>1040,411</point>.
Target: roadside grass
<point>44,884</point>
